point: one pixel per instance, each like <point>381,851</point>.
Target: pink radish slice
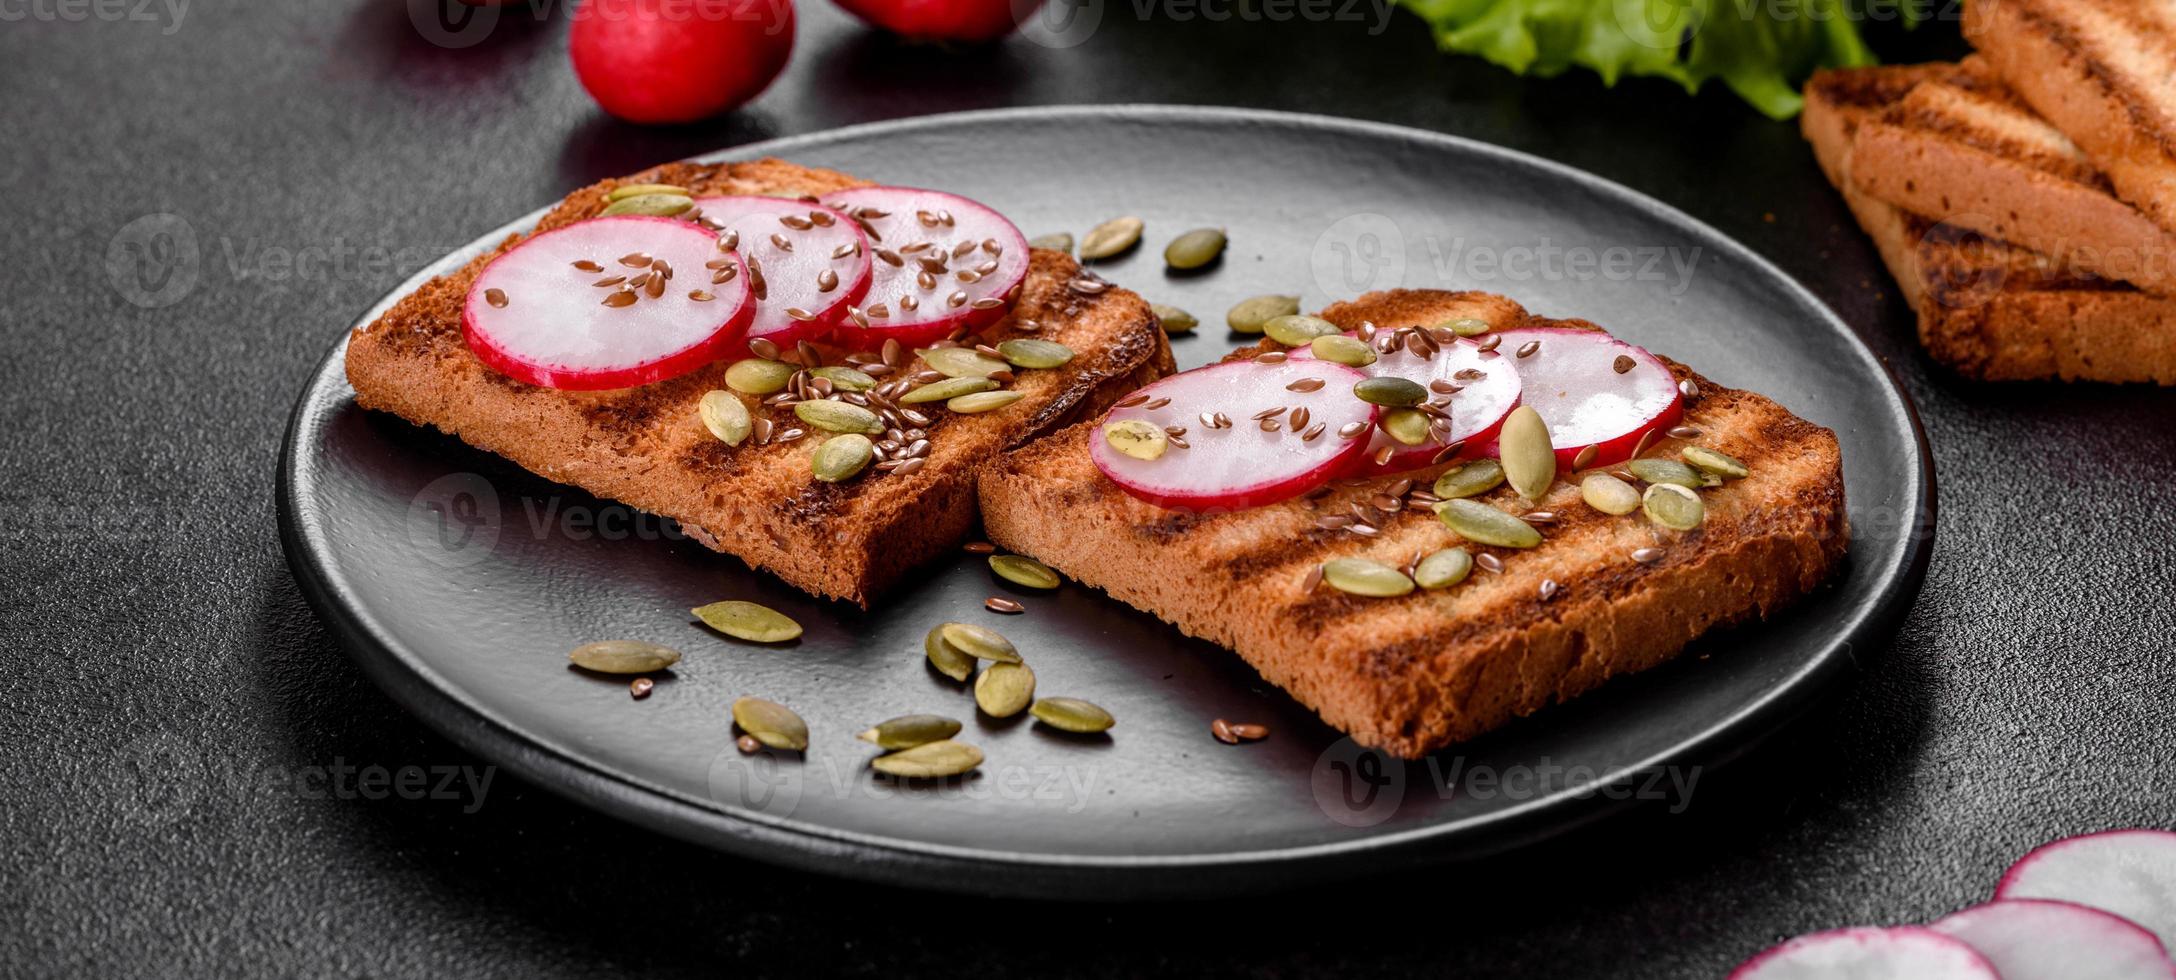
<point>535,314</point>
<point>1242,465</point>
<point>2035,939</point>
<point>1477,410</point>
<point>942,262</point>
<point>803,257</point>
<point>1571,379</point>
<point>1902,953</point>
<point>2131,873</point>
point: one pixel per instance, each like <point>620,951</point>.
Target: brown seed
<point>1688,389</point>
<point>635,260</point>
<point>890,256</point>
<point>800,314</point>
<point>1549,589</point>
<point>1249,732</point>
<point>1623,363</point>
<point>1684,432</point>
<point>845,250</point>
<point>729,241</point>
<point>1269,357</point>
<point>1132,400</point>
<point>1000,604</point>
<point>1351,430</point>
<point>700,296</point>
<point>1312,580</point>
<point>609,281</point>
<point>827,281</point>
<point>796,222</point>
<point>587,266</point>
<point>495,297</point>
<point>1271,425</point>
<point>781,242</point>
<point>1584,459</point>
<point>764,348</point>
<point>1490,564</point>
<point>1646,439</point>
<point>640,687</point>
<point>1223,731</point>
<point>1448,453</point>
<point>1470,374</point>
<point>1313,432</point>
<point>748,745</point>
<point>1305,384</point>
<point>620,298</point>
<point>1489,343</point>
<point>1647,556</point>
<point>656,287</point>
<point>1299,418</point>
<point>1527,349</point>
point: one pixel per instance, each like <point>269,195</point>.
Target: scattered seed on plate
<point>949,660</point>
<point>908,731</point>
<point>1024,571</point>
<point>771,723</point>
<point>1111,238</point>
<point>1003,690</point>
<point>1173,319</point>
<point>980,642</point>
<point>1194,249</point>
<point>623,657</point>
<point>930,760</point>
<point>748,621</point>
<point>1252,314</point>
<point>1072,715</point>
<point>640,687</point>
<point>1000,604</point>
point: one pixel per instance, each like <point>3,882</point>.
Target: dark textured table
<point>196,782</point>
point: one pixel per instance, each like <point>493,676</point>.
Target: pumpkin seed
<point>1136,438</point>
<point>1608,494</point>
<point>1072,715</point>
<point>725,416</point>
<point>1174,320</point>
<point>1252,314</point>
<point>623,657</point>
<point>1406,425</point>
<point>948,659</point>
<point>932,760</point>
<point>1340,349</point>
<point>757,376</point>
<point>1468,327</point>
<point>1057,242</point>
<point>1298,329</point>
<point>960,362</point>
<point>771,723</point>
<point>1673,506</point>
<point>983,401</point>
<point>1359,576</point>
<point>1665,471</point>
<point>908,731</point>
<point>1714,463</point>
<point>1024,571</point>
<point>1004,690</point>
<point>1194,249</point>
<point>1390,391</point>
<point>837,416</point>
<point>841,458</point>
<point>748,621</point>
<point>1482,524</point>
<point>1470,480</point>
<point>947,390</point>
<point>980,642</point>
<point>1029,352</point>
<point>1523,447</point>
<point>844,378</point>
<point>625,191</point>
<point>654,205</point>
<point>1111,238</point>
<point>1443,569</point>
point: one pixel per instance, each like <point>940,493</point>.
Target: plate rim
<point>906,861</point>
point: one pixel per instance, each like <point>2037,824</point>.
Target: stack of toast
<point>2024,198</point>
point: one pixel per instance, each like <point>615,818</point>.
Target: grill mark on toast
<point>2073,40</point>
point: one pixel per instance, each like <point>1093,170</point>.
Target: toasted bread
<point>2097,70</point>
<point>1988,309</point>
<point>1419,672</point>
<point>647,446</point>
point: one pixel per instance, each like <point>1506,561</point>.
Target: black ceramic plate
<point>459,581</point>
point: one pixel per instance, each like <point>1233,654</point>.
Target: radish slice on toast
<point>2131,873</point>
<point>1592,389</point>
<point>942,262</point>
<point>807,263</point>
<point>1903,953</point>
<point>608,303</point>
<point>1486,390</point>
<point>2036,939</point>
<point>1234,435</point>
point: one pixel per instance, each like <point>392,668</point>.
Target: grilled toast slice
<point>1988,309</point>
<point>1413,674</point>
<point>647,446</point>
<point>2098,70</point>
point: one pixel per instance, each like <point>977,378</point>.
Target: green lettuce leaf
<point>1761,49</point>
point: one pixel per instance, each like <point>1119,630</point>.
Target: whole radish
<point>676,61</point>
<point>944,20</point>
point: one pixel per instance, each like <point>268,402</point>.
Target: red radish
<point>1902,953</point>
<point>583,307</point>
<point>647,61</point>
<point>944,20</point>
<point>1477,409</point>
<point>806,263</point>
<point>1570,376</point>
<point>942,262</point>
<point>1234,462</point>
<point>2034,939</point>
<point>2131,873</point>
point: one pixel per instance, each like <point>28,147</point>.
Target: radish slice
<point>1571,378</point>
<point>1234,462</point>
<point>807,263</point>
<point>539,314</point>
<point>942,262</point>
<point>2033,939</point>
<point>1477,409</point>
<point>1903,953</point>
<point>2131,873</point>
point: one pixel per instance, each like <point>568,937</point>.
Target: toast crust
<point>647,446</point>
<point>1420,672</point>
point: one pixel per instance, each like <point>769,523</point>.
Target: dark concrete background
<point>177,724</point>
